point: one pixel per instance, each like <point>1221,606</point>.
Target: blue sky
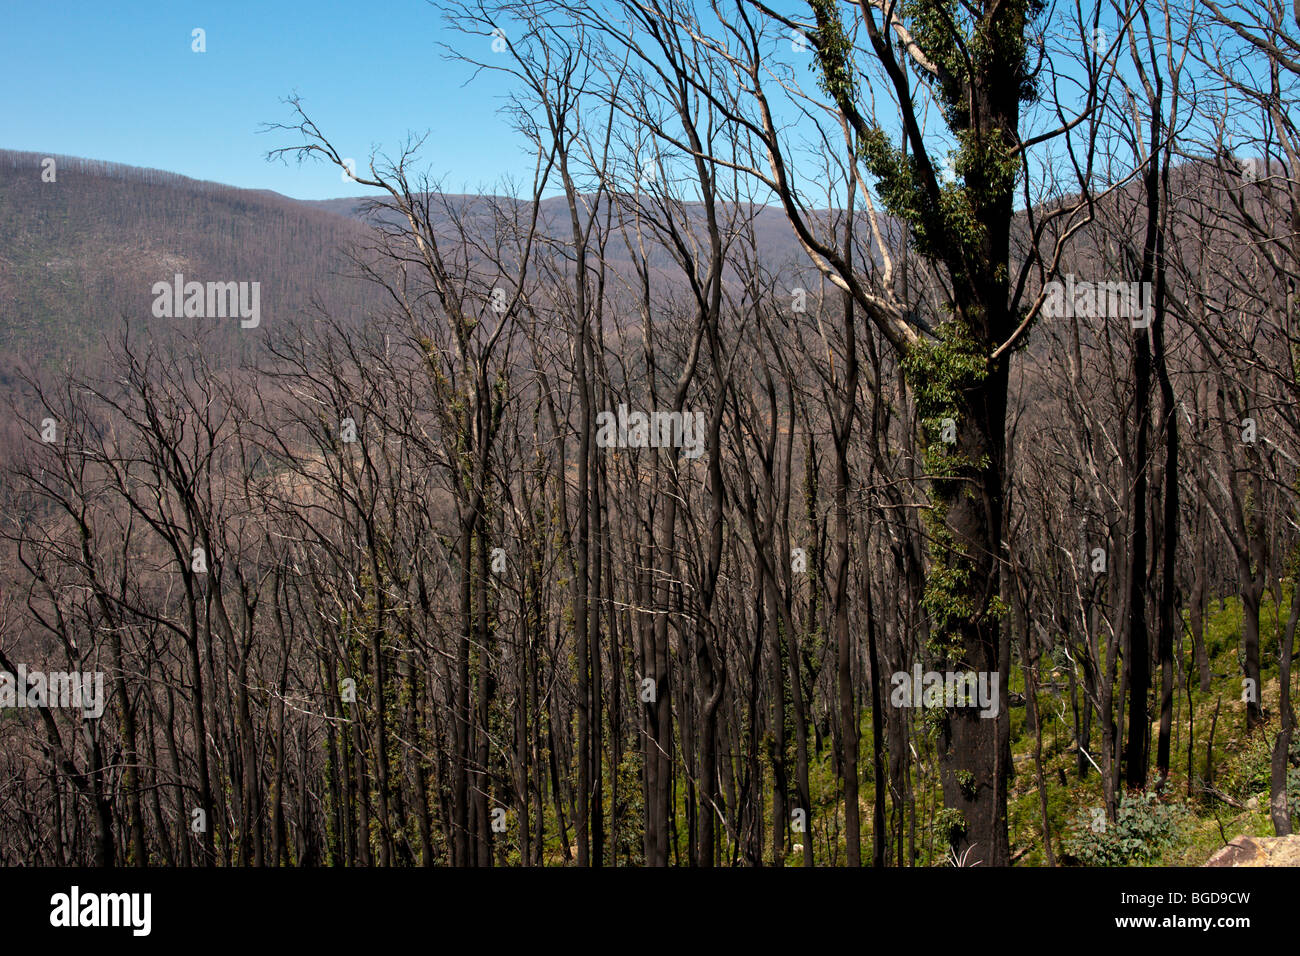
<point>119,82</point>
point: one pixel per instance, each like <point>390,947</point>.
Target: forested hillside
<point>79,254</point>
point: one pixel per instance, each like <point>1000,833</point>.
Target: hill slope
<point>80,254</point>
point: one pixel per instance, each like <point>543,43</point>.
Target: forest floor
<point>1183,824</point>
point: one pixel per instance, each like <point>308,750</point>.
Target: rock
<point>1259,851</point>
<point>1252,803</point>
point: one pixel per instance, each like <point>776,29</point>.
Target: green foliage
<point>932,719</point>
<point>939,373</point>
<point>899,185</point>
<point>1249,773</point>
<point>834,54</point>
<point>947,598</point>
<point>943,218</point>
<point>940,370</point>
<point>961,46</point>
<point>628,818</point>
<point>1145,826</point>
<point>950,824</point>
<point>966,783</point>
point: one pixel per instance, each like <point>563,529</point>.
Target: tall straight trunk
<point>1247,529</point>
<point>361,789</point>
<point>197,707</point>
<point>484,693</point>
<point>802,795</point>
<point>252,847</point>
<point>712,669</point>
<point>596,743</point>
<point>879,834</point>
<point>523,750</point>
<point>787,652</point>
<point>137,855</point>
<point>1031,689</point>
<point>1279,806</point>
<point>415,734</point>
<point>1196,612</point>
<point>971,746</point>
<point>1137,658</point>
<point>616,795</point>
<point>586,622</point>
<point>460,783</point>
<point>848,711</point>
<point>535,707</point>
<point>581,606</point>
<point>1138,652</point>
<point>659,743</point>
<point>1152,276</point>
<point>780,782</point>
<point>1166,619</point>
<point>1253,571</point>
<point>647,695</point>
<point>174,761</point>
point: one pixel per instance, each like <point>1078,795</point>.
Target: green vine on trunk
<point>939,372</point>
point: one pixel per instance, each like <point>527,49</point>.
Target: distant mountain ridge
<point>80,253</point>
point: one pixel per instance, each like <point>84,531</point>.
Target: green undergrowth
<point>1176,825</point>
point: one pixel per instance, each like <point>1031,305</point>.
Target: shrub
<point>1247,772</point>
<point>1144,828</point>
